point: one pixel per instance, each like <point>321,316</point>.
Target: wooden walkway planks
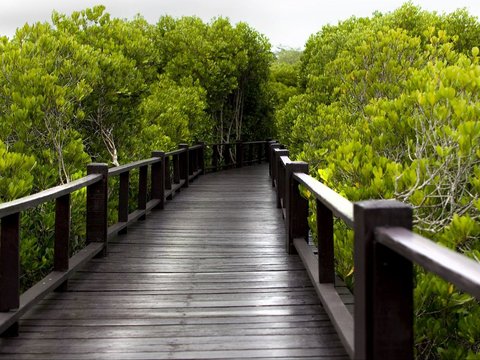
<point>206,278</point>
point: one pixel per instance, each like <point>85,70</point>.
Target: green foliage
<point>92,87</point>
<point>16,179</point>
<point>174,114</point>
<point>390,109</point>
<point>230,63</point>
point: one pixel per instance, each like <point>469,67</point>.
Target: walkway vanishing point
<point>205,278</point>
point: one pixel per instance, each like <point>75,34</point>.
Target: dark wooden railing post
<point>296,206</point>
<point>201,159</point>
<point>239,153</point>
<point>215,157</point>
<point>176,169</point>
<point>383,285</point>
<point>167,173</point>
<point>142,190</point>
<point>279,172</point>
<point>10,263</point>
<point>184,165</point>
<point>250,153</point>
<point>326,267</point>
<point>62,236</point>
<point>97,195</point>
<point>272,168</point>
<point>191,161</point>
<point>123,196</point>
<point>260,147</point>
<point>227,156</point>
<point>158,179</point>
<point>267,148</point>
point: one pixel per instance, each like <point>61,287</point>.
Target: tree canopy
<point>89,87</point>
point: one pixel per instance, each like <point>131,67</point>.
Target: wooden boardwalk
<point>206,278</point>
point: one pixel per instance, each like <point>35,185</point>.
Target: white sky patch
<point>284,22</point>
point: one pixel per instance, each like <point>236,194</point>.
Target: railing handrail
<point>196,147</point>
<point>30,201</point>
<point>341,207</point>
<point>452,266</point>
<point>385,249</point>
<point>117,170</point>
<point>175,152</point>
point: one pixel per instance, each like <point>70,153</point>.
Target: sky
<point>287,23</point>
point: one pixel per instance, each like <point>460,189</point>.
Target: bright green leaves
<point>16,177</point>
<point>176,112</point>
<point>46,76</point>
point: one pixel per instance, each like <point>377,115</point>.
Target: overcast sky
<point>284,22</point>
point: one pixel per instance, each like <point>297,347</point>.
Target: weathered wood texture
<point>206,278</point>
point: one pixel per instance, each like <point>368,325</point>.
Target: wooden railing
<point>385,249</point>
<point>169,172</point>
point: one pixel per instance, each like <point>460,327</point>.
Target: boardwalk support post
<point>272,167</point>
<point>158,179</point>
<point>239,153</point>
<point>97,206</point>
<point>62,237</point>
<point>142,190</point>
<point>326,258</point>
<point>201,159</point>
<point>10,268</point>
<point>123,196</point>
<point>296,206</point>
<point>280,174</point>
<point>184,164</point>
<point>383,285</point>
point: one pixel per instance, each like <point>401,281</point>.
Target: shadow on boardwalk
<point>206,278</point>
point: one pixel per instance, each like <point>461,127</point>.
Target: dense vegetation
<point>88,87</point>
<point>388,108</point>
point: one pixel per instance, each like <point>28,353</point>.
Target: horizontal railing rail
<point>385,249</point>
<point>30,201</point>
<point>336,203</point>
<point>131,166</point>
<point>453,267</point>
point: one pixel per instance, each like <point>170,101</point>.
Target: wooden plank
<point>33,295</point>
<point>152,204</point>
<point>217,284</point>
<point>115,229</point>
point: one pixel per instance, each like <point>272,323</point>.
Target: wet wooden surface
<point>206,278</point>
